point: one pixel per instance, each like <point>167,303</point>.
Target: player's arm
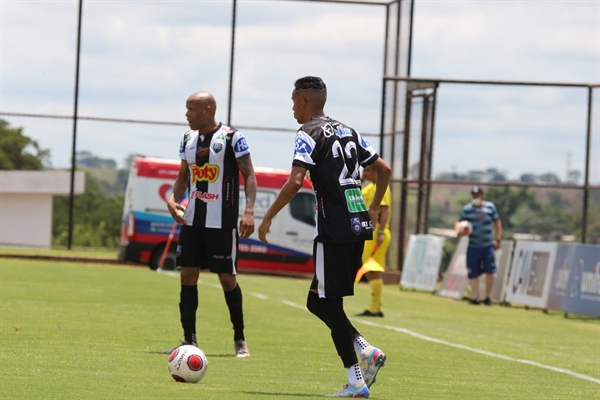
<point>179,188</point>
<point>498,237</point>
<point>384,172</point>
<point>244,164</point>
<point>384,212</point>
<point>287,193</point>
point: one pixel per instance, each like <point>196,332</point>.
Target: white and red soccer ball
<point>188,364</point>
<point>465,227</point>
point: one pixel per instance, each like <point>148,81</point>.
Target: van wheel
<point>170,259</point>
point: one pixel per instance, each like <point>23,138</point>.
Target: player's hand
<point>379,239</point>
<point>177,211</point>
<point>496,244</point>
<point>246,225</point>
<point>263,229</point>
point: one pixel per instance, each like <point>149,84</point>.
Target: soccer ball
<point>465,227</point>
<point>187,364</point>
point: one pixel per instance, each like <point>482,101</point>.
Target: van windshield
<point>302,207</point>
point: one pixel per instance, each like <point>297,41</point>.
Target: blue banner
<point>575,284</point>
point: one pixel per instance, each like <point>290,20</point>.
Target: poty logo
<point>241,145</point>
<point>204,196</point>
<point>302,146</point>
<point>206,173</point>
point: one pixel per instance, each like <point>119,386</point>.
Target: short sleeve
<point>495,215</point>
<point>182,143</point>
<point>366,153</point>
<point>463,215</point>
<point>305,152</point>
<point>238,142</point>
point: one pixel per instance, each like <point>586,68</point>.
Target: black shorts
<point>336,265</point>
<point>215,249</point>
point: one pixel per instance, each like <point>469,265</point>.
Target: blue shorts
<point>480,260</point>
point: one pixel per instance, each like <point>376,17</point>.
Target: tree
<point>548,177</point>
<point>85,159</point>
<point>96,218</point>
<point>20,152</point>
<point>509,201</point>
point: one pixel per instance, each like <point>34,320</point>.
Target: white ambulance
<point>147,223</point>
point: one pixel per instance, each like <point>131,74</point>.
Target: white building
<point>26,204</point>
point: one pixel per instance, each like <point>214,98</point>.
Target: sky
<point>142,59</point>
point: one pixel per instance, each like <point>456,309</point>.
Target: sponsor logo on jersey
<point>364,143</point>
<point>221,136</point>
<point>355,225</point>
<point>327,130</point>
<point>241,145</point>
<point>202,151</point>
<point>186,138</point>
<point>217,147</point>
<point>206,173</point>
<point>342,131</point>
<point>302,146</point>
<point>355,201</point>
<point>205,196</point>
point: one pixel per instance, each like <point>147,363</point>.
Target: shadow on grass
<point>207,355</point>
<point>283,394</point>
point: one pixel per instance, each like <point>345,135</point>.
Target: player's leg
<point>223,245</point>
<point>189,258</point>
<point>489,268</point>
<point>473,272</point>
<point>335,268</point>
<point>188,302</point>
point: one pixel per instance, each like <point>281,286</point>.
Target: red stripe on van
<point>164,169</point>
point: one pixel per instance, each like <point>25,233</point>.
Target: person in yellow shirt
<point>376,248</point>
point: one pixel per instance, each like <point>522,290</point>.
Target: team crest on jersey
<point>355,225</point>
<point>206,173</point>
<point>217,147</point>
<point>241,145</point>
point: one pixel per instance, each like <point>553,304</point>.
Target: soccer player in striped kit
<point>332,153</point>
<point>212,156</point>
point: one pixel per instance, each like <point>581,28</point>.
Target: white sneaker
<point>241,349</point>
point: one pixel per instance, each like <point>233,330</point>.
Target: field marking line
<point>463,347</point>
<point>479,351</point>
<point>426,338</point>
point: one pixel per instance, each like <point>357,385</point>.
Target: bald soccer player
<point>212,156</point>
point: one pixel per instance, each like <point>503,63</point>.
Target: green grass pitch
<point>84,331</point>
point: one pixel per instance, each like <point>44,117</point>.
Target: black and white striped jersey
<point>333,152</point>
<point>214,186</point>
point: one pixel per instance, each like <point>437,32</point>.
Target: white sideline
<point>423,337</point>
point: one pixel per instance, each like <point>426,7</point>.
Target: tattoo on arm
<point>245,165</point>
